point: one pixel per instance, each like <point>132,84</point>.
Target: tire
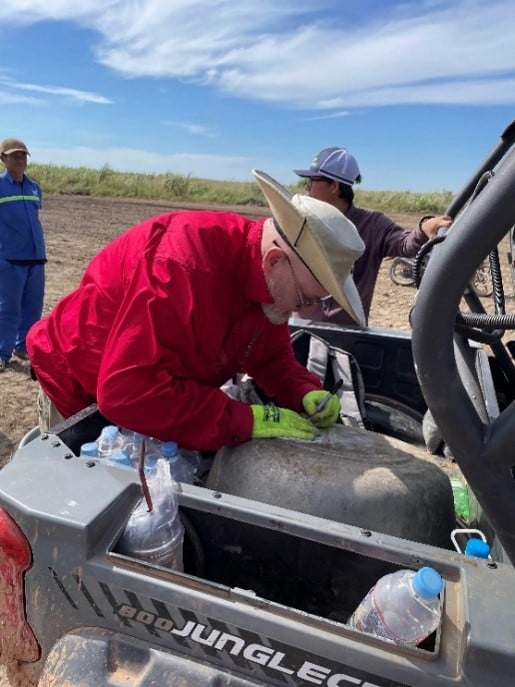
<point>482,282</point>
<point>401,273</point>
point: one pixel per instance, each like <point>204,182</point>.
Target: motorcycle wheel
<point>401,273</point>
<point>482,282</point>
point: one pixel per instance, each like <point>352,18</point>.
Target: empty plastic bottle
<point>182,470</point>
<point>403,607</point>
<point>110,441</point>
<point>156,536</point>
<point>151,452</point>
<point>461,499</point>
<point>199,463</point>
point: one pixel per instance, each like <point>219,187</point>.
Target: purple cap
<point>334,163</point>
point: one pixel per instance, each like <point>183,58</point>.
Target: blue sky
<point>418,91</point>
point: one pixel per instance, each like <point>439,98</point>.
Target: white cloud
<point>333,115</point>
<point>7,98</point>
<point>193,129</point>
<point>303,56</point>
<point>69,93</point>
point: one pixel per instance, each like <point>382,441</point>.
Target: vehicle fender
<point>93,656</point>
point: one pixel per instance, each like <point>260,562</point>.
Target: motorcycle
<point>403,273</point>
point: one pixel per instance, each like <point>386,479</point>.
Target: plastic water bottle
<point>112,446</point>
<point>403,607</point>
<point>156,536</point>
<point>182,471</point>
<point>461,499</point>
<point>110,441</point>
<point>151,452</point>
<point>199,463</point>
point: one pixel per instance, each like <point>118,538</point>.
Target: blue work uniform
<point>22,261</point>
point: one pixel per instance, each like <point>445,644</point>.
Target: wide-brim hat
<point>323,238</point>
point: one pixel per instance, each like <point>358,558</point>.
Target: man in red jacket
<point>172,308</point>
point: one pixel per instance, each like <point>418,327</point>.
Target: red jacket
<point>163,316</point>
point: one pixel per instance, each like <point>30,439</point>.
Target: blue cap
<point>89,449</point>
<point>120,458</point>
<point>169,449</point>
<point>427,583</point>
<point>334,163</point>
<point>110,431</point>
<point>477,547</point>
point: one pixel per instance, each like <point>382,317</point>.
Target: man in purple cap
<point>22,251</point>
<point>330,178</point>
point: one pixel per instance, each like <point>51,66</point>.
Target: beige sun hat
<point>323,238</point>
<point>13,145</point>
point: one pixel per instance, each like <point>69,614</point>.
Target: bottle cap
<point>427,583</point>
<point>477,547</point>
<point>110,431</point>
<point>89,449</point>
<point>169,449</point>
<point>119,458</point>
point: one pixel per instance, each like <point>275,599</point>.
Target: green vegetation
<point>178,187</point>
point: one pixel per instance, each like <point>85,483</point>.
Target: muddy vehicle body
<point>283,538</point>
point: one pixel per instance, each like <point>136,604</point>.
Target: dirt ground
<point>76,228</point>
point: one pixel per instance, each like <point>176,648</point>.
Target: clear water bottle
<point>151,452</point>
<point>403,607</point>
<point>156,536</point>
<point>182,470</point>
<point>110,441</point>
<point>199,463</point>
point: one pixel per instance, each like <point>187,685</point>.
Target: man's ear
<point>271,258</point>
<point>334,188</point>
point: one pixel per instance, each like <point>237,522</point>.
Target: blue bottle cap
<point>427,583</point>
<point>477,547</point>
<point>110,431</point>
<point>120,458</point>
<point>89,449</point>
<point>169,449</point>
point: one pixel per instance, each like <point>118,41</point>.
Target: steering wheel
<point>481,444</point>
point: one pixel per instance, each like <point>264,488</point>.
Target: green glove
<point>325,417</point>
<point>271,421</point>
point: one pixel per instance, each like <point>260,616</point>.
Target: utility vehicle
<point>284,538</point>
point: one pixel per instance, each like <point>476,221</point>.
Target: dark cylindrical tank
<point>349,475</point>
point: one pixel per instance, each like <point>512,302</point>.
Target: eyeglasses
<point>303,301</point>
<point>311,180</point>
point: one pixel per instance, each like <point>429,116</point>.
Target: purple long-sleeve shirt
<point>383,238</point>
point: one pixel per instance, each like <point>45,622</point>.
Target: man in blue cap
<point>331,177</point>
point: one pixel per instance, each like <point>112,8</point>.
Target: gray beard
<point>274,315</point>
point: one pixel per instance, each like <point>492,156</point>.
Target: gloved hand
<point>271,421</point>
<point>328,415</point>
